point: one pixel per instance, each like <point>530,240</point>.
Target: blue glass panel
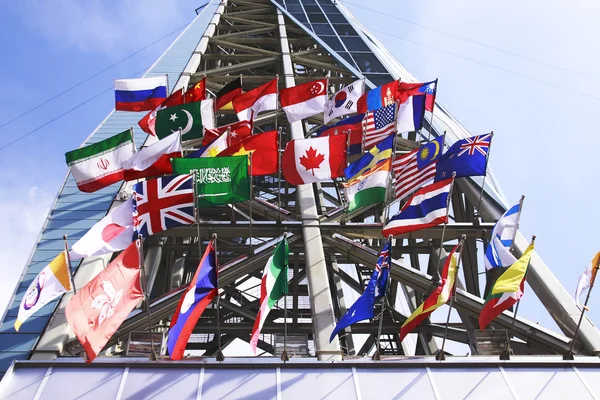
<point>31,325</point>
<point>295,8</point>
<point>334,43</point>
<point>323,29</point>
<point>379,79</point>
<point>368,63</point>
<point>345,30</point>
<point>317,18</point>
<point>17,341</point>
<point>355,43</point>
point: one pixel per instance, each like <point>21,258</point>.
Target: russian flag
<point>410,114</point>
<point>425,209</point>
<point>196,298</point>
<point>143,94</point>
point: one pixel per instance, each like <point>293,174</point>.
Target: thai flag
<point>143,94</point>
<point>425,209</point>
<point>202,289</point>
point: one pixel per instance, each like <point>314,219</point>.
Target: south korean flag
<point>344,101</point>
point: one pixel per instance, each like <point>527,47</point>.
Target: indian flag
<point>101,164</point>
<point>50,283</point>
<point>272,288</point>
<point>369,188</point>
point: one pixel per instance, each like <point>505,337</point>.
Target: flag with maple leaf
<point>315,159</point>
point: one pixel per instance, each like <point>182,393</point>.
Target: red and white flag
<point>262,98</point>
<point>237,131</point>
<point>408,176</point>
<point>112,233</point>
<point>315,159</point>
<point>345,101</point>
<point>100,307</point>
<point>304,100</point>
<point>379,124</point>
<point>148,122</point>
<point>155,159</point>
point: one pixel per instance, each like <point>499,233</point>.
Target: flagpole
<point>220,356</point>
<point>377,355</point>
<point>71,272</point>
<point>284,355</point>
<point>512,242</point>
<point>440,355</point>
<point>279,177</point>
<point>140,245</point>
<point>437,270</point>
<point>132,139</point>
<point>196,214</point>
<point>506,354</point>
<point>487,156</point>
<point>276,99</point>
<point>389,181</point>
<point>251,201</point>
<point>432,110</point>
<point>569,355</point>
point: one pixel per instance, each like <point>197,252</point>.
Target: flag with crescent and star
<point>186,118</point>
<point>466,157</point>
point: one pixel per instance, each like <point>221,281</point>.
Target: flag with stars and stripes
<point>417,168</point>
<point>379,124</point>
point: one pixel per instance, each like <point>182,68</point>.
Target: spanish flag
<point>439,297</point>
<point>507,290</point>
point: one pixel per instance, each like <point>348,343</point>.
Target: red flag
<point>147,123</point>
<point>100,307</point>
<point>428,89</point>
<point>196,93</point>
<point>262,98</point>
<point>378,97</point>
<point>237,131</point>
<point>264,150</point>
<point>314,159</point>
<point>303,101</point>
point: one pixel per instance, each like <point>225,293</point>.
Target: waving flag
<point>148,122</point>
<point>227,93</point>
<point>379,124</point>
<point>237,131</point>
<point>262,98</point>
<point>426,208</point>
<point>379,97</point>
<point>196,92</point>
<point>417,168</point>
<point>438,298</point>
<point>377,155</point>
<point>345,101</point>
<point>264,149</point>
<point>369,188</point>
<point>586,280</point>
<point>303,101</point>
<point>314,160</point>
<point>163,203</point>
<point>202,289</point>
<point>466,157</point>
<point>364,307</point>
<point>411,113</point>
<point>428,89</point>
<point>186,118</point>
<point>153,160</point>
<point>351,126</point>
<point>142,94</point>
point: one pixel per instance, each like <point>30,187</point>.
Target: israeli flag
<point>498,252</point>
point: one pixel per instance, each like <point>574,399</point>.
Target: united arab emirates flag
<point>186,117</point>
<point>218,180</point>
<point>274,286</point>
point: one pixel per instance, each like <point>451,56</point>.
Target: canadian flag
<point>112,233</point>
<point>100,307</point>
<point>262,98</point>
<point>148,122</point>
<point>304,100</point>
<point>315,159</point>
<point>153,160</point>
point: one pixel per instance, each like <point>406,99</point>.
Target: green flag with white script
<point>219,180</point>
<point>185,117</point>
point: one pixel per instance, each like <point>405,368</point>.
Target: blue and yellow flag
<point>377,155</point>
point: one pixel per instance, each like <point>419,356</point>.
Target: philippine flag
<point>194,301</point>
<point>143,94</point>
<point>425,209</point>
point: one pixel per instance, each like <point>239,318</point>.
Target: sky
<point>532,79</point>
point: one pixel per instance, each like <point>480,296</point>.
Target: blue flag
<point>364,307</point>
<point>352,126</point>
<point>466,157</point>
<point>430,152</point>
<point>377,155</point>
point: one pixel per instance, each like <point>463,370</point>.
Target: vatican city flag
<point>50,283</point>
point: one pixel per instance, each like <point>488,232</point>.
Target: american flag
<point>163,203</point>
<point>408,176</point>
<point>379,124</point>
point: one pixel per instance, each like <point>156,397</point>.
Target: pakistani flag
<point>219,180</point>
<point>369,188</point>
<point>273,287</point>
<point>186,117</point>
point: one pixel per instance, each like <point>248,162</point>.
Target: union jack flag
<point>163,203</point>
<point>479,143</point>
<point>382,270</point>
<point>466,157</point>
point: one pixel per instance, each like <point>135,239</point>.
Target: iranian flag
<point>315,159</point>
<point>274,286</point>
<point>262,98</point>
<point>369,188</point>
<point>100,164</point>
<point>304,100</point>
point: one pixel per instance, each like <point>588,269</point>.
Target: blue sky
<point>543,147</point>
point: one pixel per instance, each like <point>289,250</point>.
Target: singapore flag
<point>304,100</point>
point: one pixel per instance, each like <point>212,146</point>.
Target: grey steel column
<point>321,302</point>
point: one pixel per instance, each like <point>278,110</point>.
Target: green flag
<point>186,117</point>
<point>219,180</point>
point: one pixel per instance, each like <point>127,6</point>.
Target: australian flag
<point>467,157</point>
<point>364,307</point>
<point>202,289</point>
<point>163,203</point>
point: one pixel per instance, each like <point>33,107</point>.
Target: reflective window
<point>335,17</point>
<point>323,29</point>
<point>345,30</point>
<point>319,18</point>
<point>355,43</point>
<point>347,57</point>
<point>312,8</point>
<point>328,7</point>
<point>295,8</point>
<point>379,79</point>
<point>333,42</point>
<point>367,62</point>
<point>300,17</point>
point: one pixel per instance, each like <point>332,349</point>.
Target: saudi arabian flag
<point>186,118</point>
<point>273,287</point>
<point>369,188</point>
<point>219,180</point>
<point>101,164</point>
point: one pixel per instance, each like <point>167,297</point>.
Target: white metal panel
<point>78,383</point>
<point>393,383</point>
<point>24,385</point>
<point>318,383</point>
<point>230,384</point>
<point>165,383</point>
<point>554,383</point>
<point>469,383</point>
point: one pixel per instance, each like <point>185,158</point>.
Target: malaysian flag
<point>379,124</point>
<point>163,203</point>
<point>417,168</point>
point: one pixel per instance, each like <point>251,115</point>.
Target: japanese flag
<point>315,159</point>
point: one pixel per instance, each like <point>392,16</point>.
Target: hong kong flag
<point>100,307</point>
<point>315,159</point>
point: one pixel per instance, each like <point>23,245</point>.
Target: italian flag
<point>272,288</point>
<point>101,164</point>
<point>369,188</point>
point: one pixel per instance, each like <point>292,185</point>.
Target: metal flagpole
<point>432,110</point>
<point>487,157</point>
<point>279,177</point>
<point>437,269</point>
<point>506,354</point>
<point>569,355</point>
<point>276,100</point>
<point>377,355</point>
<point>71,272</point>
<point>220,356</point>
<point>140,244</point>
<point>196,216</point>
<point>132,138</point>
<point>387,187</point>
<point>440,355</point>
<point>284,355</point>
<point>251,201</point>
<point>167,75</point>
